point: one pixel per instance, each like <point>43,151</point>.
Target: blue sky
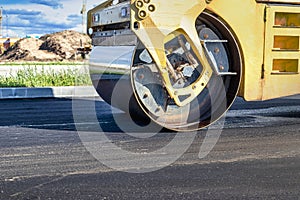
<point>39,17</point>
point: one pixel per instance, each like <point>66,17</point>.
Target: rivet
<point>139,4</point>
<point>151,8</point>
<point>141,76</point>
<point>143,13</point>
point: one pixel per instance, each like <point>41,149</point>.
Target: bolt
<point>141,76</point>
<point>217,50</point>
<point>143,14</point>
<point>139,4</point>
<point>151,8</point>
<point>206,36</point>
<point>221,67</point>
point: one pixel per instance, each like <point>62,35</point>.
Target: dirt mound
<point>58,46</point>
<point>65,43</point>
<point>28,49</point>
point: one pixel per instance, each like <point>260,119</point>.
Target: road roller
<point>181,64</point>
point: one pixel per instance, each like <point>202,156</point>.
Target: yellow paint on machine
<point>268,32</point>
<point>269,39</point>
<point>153,26</point>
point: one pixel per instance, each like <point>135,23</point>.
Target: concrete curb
<point>48,92</point>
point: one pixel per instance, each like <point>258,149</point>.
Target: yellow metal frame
<point>154,21</point>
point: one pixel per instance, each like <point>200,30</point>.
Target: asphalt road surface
<point>42,156</point>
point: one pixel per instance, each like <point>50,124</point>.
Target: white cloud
<point>51,19</point>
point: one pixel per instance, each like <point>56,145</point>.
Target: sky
<point>23,18</point>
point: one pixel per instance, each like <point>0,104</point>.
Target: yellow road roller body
<point>182,63</point>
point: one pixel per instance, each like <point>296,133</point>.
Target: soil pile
<point>60,46</point>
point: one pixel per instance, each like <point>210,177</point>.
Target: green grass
<point>31,77</point>
<point>39,63</point>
